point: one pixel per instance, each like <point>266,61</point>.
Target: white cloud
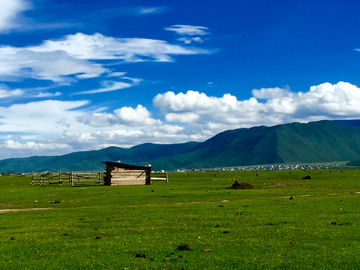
<point>107,86</point>
<point>10,144</point>
<point>189,116</point>
<point>116,74</point>
<point>74,57</point>
<point>6,93</point>
<point>324,101</point>
<point>99,47</point>
<point>189,40</point>
<point>188,30</point>
<point>38,117</point>
<point>55,66</point>
<point>182,118</point>
<point>152,10</point>
<point>9,12</point>
<point>46,95</point>
<point>128,116</point>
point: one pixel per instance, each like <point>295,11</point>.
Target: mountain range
<point>322,141</point>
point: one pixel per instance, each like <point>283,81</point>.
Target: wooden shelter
<point>121,174</point>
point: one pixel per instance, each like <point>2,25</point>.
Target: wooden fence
<point>61,177</point>
<point>161,176</point>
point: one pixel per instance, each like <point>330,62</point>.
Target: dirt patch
<point>22,210</point>
<point>238,185</point>
<point>279,185</point>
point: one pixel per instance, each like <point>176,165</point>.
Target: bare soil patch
<point>279,185</point>
<point>22,210</point>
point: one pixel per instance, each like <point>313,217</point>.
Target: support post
<point>71,178</point>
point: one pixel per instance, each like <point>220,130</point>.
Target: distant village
<point>276,167</point>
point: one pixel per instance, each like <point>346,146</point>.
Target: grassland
<point>102,227</point>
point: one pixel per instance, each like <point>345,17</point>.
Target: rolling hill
<point>322,141</point>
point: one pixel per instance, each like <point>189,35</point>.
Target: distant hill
<point>322,141</point>
<point>91,160</point>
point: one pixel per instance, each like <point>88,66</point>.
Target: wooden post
<point>99,177</point>
<point>71,178</point>
<point>32,178</point>
<point>50,175</point>
<point>167,179</point>
<point>60,177</point>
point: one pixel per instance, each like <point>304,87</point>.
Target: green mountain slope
<point>321,141</point>
<point>300,143</point>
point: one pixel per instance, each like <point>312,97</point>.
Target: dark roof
<point>125,165</point>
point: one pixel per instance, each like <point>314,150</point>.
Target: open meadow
<point>284,222</point>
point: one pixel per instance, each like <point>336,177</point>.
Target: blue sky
<point>83,75</point>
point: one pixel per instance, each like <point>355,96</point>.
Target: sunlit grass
<point>102,227</point>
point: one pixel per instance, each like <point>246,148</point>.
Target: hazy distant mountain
<point>322,141</point>
<point>91,160</point>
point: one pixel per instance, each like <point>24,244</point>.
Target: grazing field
<point>193,222</point>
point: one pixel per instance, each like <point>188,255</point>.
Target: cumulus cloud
<point>190,30</point>
<point>267,106</point>
<point>10,144</point>
<point>126,137</point>
<point>190,116</point>
<point>13,148</point>
<point>9,12</point>
<point>128,116</point>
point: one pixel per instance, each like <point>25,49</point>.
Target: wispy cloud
<point>10,12</point>
<point>133,11</point>
<point>107,86</point>
<point>188,30</point>
<point>79,56</point>
<point>152,10</point>
<point>189,40</point>
<point>47,95</point>
<point>6,93</point>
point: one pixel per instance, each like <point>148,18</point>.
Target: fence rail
<point>61,177</point>
<point>161,176</point>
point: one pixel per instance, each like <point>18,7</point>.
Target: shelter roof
<point>120,164</point>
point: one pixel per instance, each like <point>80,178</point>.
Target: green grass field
<point>105,227</point>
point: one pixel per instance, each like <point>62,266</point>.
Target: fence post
<point>71,178</point>
<point>32,178</point>
<point>99,177</point>
<point>167,179</point>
